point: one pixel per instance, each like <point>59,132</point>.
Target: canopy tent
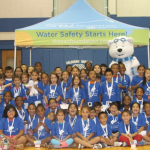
<point>79,26</point>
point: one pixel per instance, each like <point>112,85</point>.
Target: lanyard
<point>72,123</point>
<point>147,122</point>
<point>31,122</point>
<point>114,119</point>
<point>91,92</point>
<point>53,91</point>
<point>1,89</point>
<point>85,128</point>
<point>22,116</point>
<point>63,90</point>
<point>109,90</point>
<point>141,105</point>
<point>135,122</point>
<point>124,78</point>
<point>105,132</point>
<point>76,94</point>
<point>61,131</point>
<point>17,91</point>
<point>10,127</point>
<point>94,120</point>
<point>117,79</point>
<point>127,130</point>
<point>148,88</point>
<point>40,128</point>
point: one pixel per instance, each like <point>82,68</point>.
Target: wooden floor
<point>112,148</point>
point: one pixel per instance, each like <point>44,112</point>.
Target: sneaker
<point>118,144</point>
<point>80,146</point>
<point>97,146</point>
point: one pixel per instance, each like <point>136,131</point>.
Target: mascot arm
<point>135,62</point>
<point>113,62</point>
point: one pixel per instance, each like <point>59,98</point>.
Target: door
<point>8,58</point>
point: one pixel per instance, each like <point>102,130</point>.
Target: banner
<point>77,37</point>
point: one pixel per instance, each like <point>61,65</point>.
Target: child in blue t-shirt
<point>139,92</point>
<point>22,113</point>
<point>41,128</point>
<point>127,130</point>
<point>138,119</point>
<point>3,88</point>
<point>9,75</point>
<point>53,90</point>
<point>126,80</point>
<point>12,128</point>
<point>114,119</point>
<point>72,115</point>
<point>52,106</point>
<point>146,84</point>
<point>137,80</point>
<point>109,89</point>
<point>31,116</point>
<point>7,100</point>
<point>75,93</point>
<point>121,84</point>
<point>63,84</point>
<point>51,116</point>
<point>83,74</point>
<point>61,132</point>
<point>126,103</point>
<point>75,71</point>
<point>147,136</point>
<point>25,80</point>
<point>93,90</point>
<point>98,106</point>
<point>85,129</point>
<point>17,90</point>
<point>93,115</point>
<point>35,98</point>
<point>146,108</point>
<point>103,69</point>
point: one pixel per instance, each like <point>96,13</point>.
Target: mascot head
<point>121,47</point>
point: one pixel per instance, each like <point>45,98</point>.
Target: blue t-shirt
<point>18,92</point>
<point>53,93</point>
<point>147,119</point>
<point>146,91</point>
<point>27,96</point>
<point>71,120</point>
<point>7,81</point>
<point>114,122</point>
<point>126,80</point>
<point>139,121</point>
<point>61,130</point>
<point>22,114</point>
<point>115,95</point>
<point>104,131</point>
<point>49,110</point>
<point>63,88</point>
<point>121,128</point>
<point>118,81</point>
<point>30,120</point>
<point>96,121</point>
<point>41,133</point>
<point>76,98</point>
<point>95,91</point>
<point>103,79</point>
<point>88,125</point>
<point>39,97</point>
<point>17,126</point>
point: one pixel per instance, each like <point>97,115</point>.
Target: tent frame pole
<point>30,55</point>
<point>148,55</point>
<point>15,49</point>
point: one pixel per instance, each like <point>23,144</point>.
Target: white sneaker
<point>97,146</point>
<point>80,146</point>
<point>118,144</point>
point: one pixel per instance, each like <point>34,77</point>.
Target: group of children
<point>114,111</point>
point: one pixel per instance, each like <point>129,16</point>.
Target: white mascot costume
<point>121,49</point>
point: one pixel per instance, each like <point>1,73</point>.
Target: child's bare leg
<point>147,138</point>
<point>84,143</point>
<point>95,140</point>
<point>46,140</point>
<point>20,142</point>
<point>30,139</point>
